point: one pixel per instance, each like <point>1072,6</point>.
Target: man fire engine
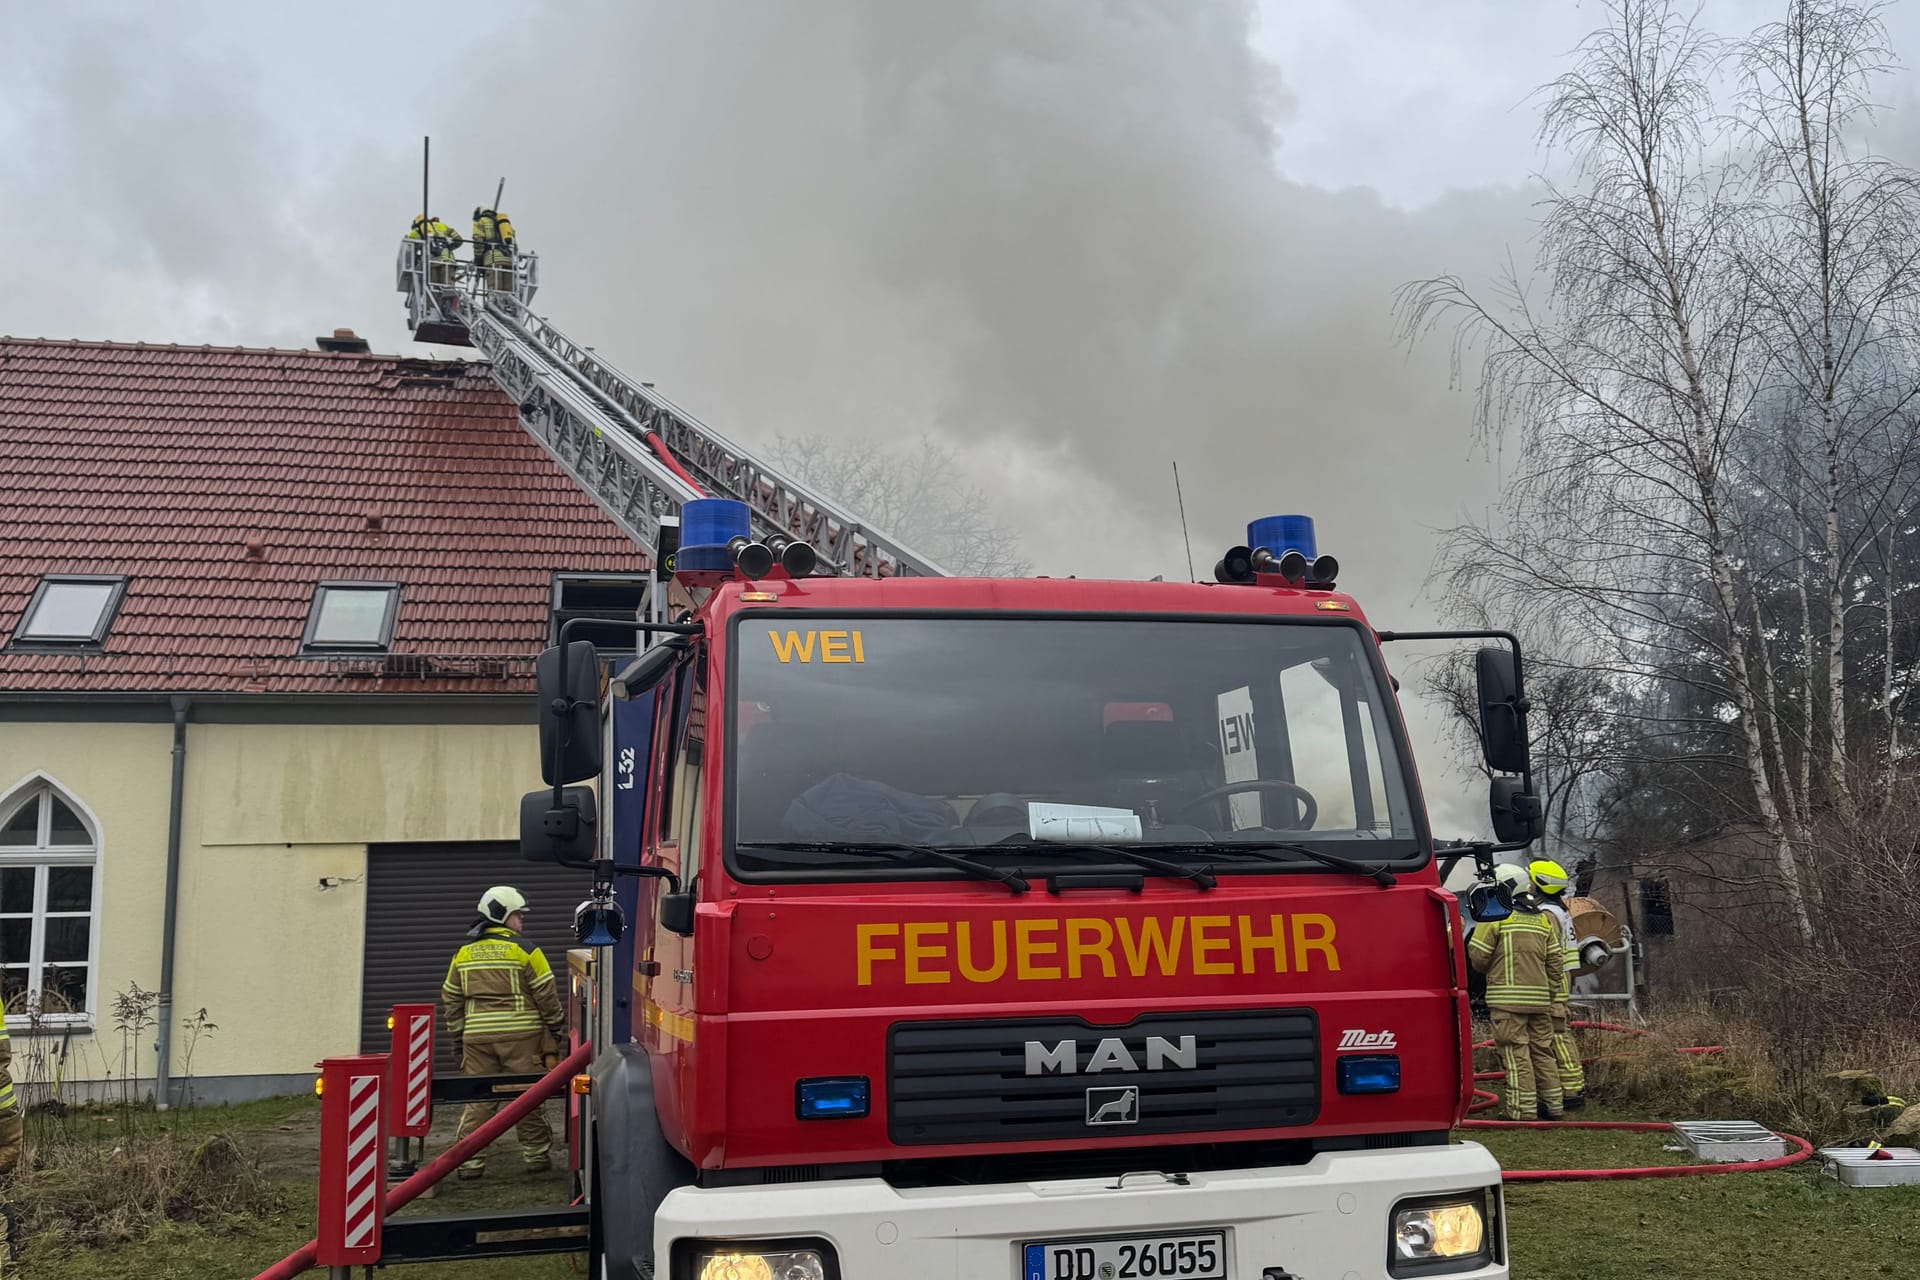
<point>1060,930</point>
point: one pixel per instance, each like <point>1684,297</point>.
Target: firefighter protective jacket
<point>445,238</point>
<point>1570,957</point>
<point>1523,959</point>
<point>497,989</point>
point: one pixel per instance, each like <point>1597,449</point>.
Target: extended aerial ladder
<point>635,452</point>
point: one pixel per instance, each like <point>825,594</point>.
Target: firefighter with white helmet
<point>1550,881</point>
<point>1525,962</point>
<point>502,1008</point>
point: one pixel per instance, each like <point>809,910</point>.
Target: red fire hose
<point>450,1159</point>
<point>659,447</point>
<point>1482,1100</point>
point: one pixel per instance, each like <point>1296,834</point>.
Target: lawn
<point>1793,1223</point>
<point>1738,1227</point>
<point>281,1135</point>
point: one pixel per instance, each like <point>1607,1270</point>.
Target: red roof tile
<point>163,463</point>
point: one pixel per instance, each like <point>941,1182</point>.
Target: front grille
<point>969,1081</point>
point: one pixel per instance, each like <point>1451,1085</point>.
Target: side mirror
<point>676,913</point>
<point>569,713</point>
<point>649,669</point>
<point>1488,902</point>
<point>1503,714</point>
<point>565,834</point>
<point>1517,817</point>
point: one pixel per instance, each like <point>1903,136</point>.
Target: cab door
<point>672,841</point>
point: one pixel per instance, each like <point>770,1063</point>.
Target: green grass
<point>1758,1226</point>
<point>1772,1226</point>
<point>280,1133</point>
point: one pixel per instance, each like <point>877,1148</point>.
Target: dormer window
<point>351,617</point>
<point>70,611</point>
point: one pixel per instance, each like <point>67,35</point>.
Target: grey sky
<point>1076,240</point>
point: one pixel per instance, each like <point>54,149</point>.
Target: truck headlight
<point>1440,1234</point>
<point>732,1263</point>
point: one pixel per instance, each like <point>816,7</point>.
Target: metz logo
<point>1358,1039</point>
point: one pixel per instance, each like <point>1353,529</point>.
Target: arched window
<point>49,855</point>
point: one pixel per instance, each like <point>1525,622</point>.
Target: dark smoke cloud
<point>1049,231</point>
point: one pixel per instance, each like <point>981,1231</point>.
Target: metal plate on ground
<point>1900,1168</point>
<point>1729,1141</point>
<point>1190,1255</point>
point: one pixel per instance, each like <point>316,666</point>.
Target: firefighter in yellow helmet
<point>502,1009</point>
<point>442,240</point>
<point>1525,965</point>
<point>1550,881</point>
<point>493,248</point>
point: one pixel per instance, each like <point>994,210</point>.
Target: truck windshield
<point>1017,737</point>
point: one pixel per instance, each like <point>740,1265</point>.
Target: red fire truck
<point>1042,929</point>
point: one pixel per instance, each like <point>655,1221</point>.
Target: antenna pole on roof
<point>1184,536</point>
<point>497,193</point>
<point>426,205</point>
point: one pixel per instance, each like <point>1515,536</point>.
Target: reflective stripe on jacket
<point>498,989</point>
<point>1522,958</point>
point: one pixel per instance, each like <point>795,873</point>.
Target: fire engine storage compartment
<point>1729,1141</point>
<point>1901,1168</point>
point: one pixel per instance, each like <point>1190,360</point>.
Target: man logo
<point>1111,1054</point>
<point>1113,1106</point>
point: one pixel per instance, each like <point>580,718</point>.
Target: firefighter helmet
<point>501,901</point>
<point>1514,877</point>
<point>1548,876</point>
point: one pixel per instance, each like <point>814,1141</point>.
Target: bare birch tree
<point>1836,259</point>
<point>1627,385</point>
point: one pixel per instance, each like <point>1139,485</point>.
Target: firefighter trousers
<point>1573,1076</point>
<point>1524,1039</point>
<point>513,1056</point>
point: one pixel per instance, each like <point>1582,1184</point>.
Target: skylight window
<point>352,616</point>
<point>70,610</point>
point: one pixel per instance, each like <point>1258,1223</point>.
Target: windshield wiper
<point>1202,876</point>
<point>1015,882</point>
<point>1264,851</point>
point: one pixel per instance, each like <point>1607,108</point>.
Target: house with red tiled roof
<point>267,629</point>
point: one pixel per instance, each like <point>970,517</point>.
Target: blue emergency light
<point>708,529</point>
<point>716,537</point>
<point>1369,1073</point>
<point>830,1098</point>
<point>1281,534</point>
<point>1282,547</point>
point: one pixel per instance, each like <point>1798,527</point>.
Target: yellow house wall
<point>119,776</point>
<point>270,812</point>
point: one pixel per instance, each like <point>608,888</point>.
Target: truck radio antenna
<point>1184,535</point>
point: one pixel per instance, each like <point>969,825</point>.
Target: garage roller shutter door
<point>420,902</point>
